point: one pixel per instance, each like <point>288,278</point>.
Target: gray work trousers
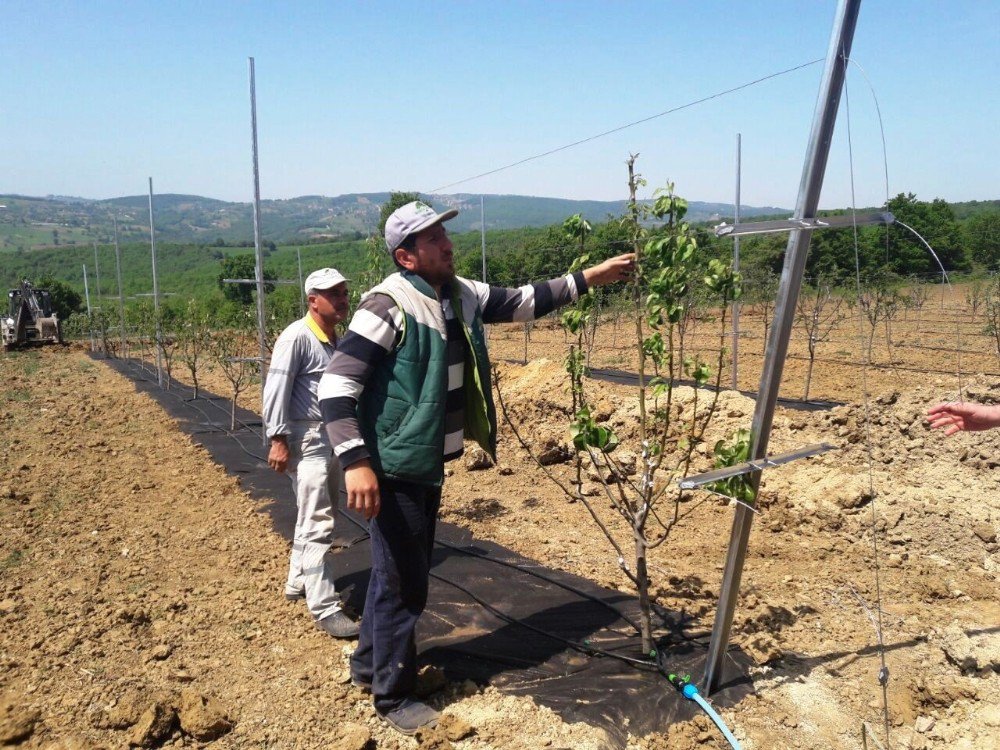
<point>316,478</point>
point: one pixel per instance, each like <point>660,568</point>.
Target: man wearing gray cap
<point>408,383</point>
<point>299,445</point>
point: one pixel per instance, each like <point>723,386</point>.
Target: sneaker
<point>294,596</point>
<point>411,716</point>
<point>338,625</point>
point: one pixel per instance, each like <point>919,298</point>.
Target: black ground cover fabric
<point>493,616</point>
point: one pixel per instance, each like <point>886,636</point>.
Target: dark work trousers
<point>402,538</point>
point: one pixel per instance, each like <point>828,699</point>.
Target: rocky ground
<point>140,588</point>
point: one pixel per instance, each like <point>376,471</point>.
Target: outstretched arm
<point>534,300</point>
<point>957,416</point>
<point>614,269</point>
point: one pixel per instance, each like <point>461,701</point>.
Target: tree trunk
<point>642,584</point>
<point>809,373</point>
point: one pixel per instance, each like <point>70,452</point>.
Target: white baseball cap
<point>324,278</point>
<point>410,219</point>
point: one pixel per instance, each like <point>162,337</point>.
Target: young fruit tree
<point>235,350</point>
<point>761,289</point>
<point>193,339</point>
<point>920,292</point>
<point>166,341</point>
<point>818,314</point>
<point>639,483</point>
<point>991,311</point>
<point>880,304</point>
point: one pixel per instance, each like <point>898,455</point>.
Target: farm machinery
<point>29,318</point>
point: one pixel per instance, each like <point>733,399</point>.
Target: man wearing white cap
<point>299,445</point>
<point>407,385</point>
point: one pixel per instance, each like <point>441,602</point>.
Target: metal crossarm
<point>254,281</point>
<point>716,475</point>
<point>786,225</point>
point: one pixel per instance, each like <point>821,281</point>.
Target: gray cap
<point>324,278</point>
<point>410,219</point>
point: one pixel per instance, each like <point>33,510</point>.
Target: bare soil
<point>137,580</point>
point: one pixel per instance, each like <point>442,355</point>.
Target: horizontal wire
<point>629,125</point>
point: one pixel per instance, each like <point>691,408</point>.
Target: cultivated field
<point>136,574</point>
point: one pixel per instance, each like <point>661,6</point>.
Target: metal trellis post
<point>86,294</point>
<point>97,274</point>
<point>259,270</point>
<point>736,268</point>
<point>810,186</point>
<point>482,232</point>
<point>302,291</point>
<point>156,290</point>
<point>121,294</point>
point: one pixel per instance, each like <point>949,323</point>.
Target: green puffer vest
<point>402,408</point>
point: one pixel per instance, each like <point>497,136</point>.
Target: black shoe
<point>294,597</point>
<point>361,684</point>
<point>338,625</point>
<point>411,716</point>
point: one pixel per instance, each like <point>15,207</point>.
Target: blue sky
<point>360,97</point>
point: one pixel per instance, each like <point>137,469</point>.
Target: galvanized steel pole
<point>97,273</point>
<point>736,268</point>
<point>302,291</point>
<point>156,290</point>
<point>259,269</point>
<point>121,294</point>
<point>482,232</point>
<point>86,294</point>
<point>810,187</point>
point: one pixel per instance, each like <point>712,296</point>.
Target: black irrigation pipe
<point>630,378</point>
<point>846,363</point>
<point>955,350</point>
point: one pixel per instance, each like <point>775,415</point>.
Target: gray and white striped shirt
<point>375,331</point>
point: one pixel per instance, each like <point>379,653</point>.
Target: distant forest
<point>965,236</point>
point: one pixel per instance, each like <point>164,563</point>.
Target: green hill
<point>56,221</point>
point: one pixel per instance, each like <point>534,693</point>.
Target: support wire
<point>618,129</point>
<point>883,673</point>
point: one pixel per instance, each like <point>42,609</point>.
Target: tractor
<point>29,318</point>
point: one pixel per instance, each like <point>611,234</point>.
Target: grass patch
<point>13,560</point>
<point>32,364</point>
